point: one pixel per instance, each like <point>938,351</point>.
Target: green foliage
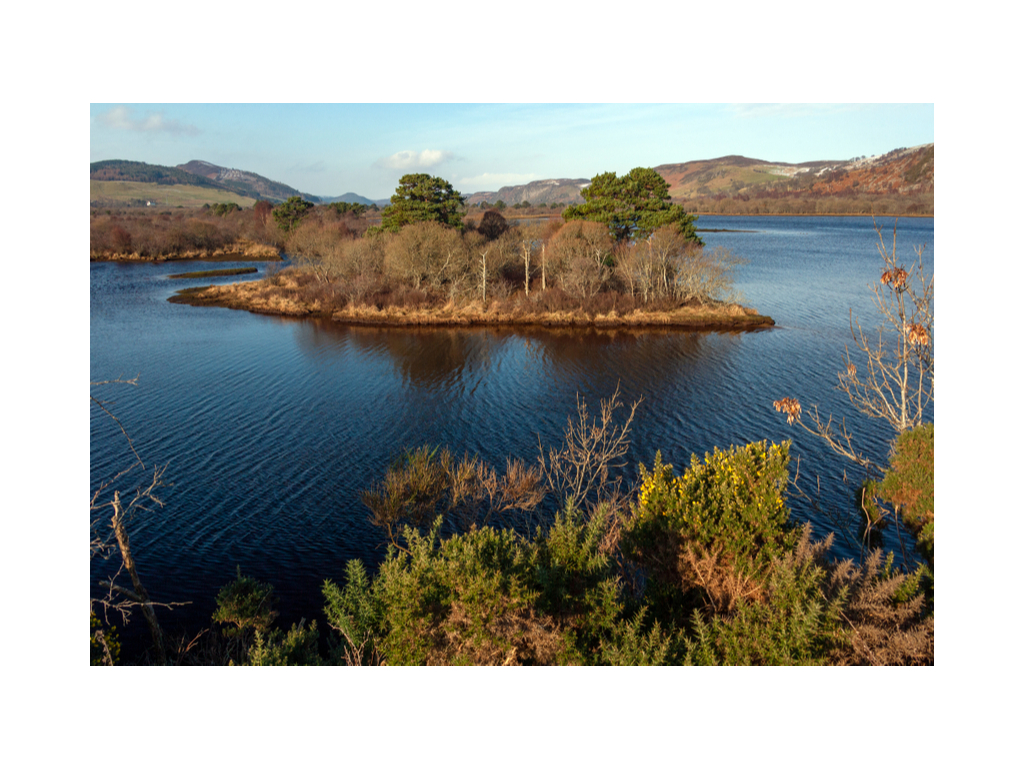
<point>492,225</point>
<point>733,499</point>
<point>297,647</point>
<point>354,208</point>
<point>909,485</point>
<point>420,197</point>
<point>790,621</point>
<point>290,213</point>
<point>633,644</point>
<point>467,600</point>
<point>223,209</point>
<point>632,206</point>
<point>245,603</point>
<point>104,646</point>
<point>488,596</point>
<point>354,611</point>
<point>577,582</point>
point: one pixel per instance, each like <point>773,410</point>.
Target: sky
<point>331,149</point>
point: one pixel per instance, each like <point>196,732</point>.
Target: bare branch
<point>591,449</point>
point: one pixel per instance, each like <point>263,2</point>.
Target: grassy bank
<point>242,250</point>
<point>283,294</point>
<point>213,273</point>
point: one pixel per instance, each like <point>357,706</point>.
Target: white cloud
<point>409,160</point>
<point>493,181</point>
<point>122,119</point>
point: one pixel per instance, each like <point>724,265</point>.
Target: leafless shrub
<point>592,449</point>
<point>710,569</point>
<point>426,482</point>
<point>897,383</point>
<point>579,257</point>
<point>884,628</point>
<point>513,635</point>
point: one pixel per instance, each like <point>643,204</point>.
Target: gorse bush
<point>698,568</point>
<point>296,648</point>
<point>466,600</point>
<point>734,498</point>
<point>490,596</point>
<point>245,604</point>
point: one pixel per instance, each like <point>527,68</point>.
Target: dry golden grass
<point>241,250</point>
<point>283,295</point>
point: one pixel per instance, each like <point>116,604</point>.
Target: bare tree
<point>119,598</point>
<point>582,252</point>
<point>319,244</point>
<point>897,384</point>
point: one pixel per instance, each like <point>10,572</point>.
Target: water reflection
<point>431,357</point>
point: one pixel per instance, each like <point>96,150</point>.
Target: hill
<point>351,197</point>
<point>245,183</point>
<point>547,191</point>
<point>239,185</point>
<point>902,180</point>
<point>130,170</point>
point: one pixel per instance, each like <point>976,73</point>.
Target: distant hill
<point>900,181</point>
<point>904,172</point>
<point>245,183</point>
<point>129,170</point>
<point>564,191</point>
<point>350,197</point>
<point>197,173</point>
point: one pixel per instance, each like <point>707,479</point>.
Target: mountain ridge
<point>903,172</point>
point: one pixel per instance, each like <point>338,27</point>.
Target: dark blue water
<point>271,427</point>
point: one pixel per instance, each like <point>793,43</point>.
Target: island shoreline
<point>243,296</point>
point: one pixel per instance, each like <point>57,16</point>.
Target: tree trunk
<point>117,522</point>
<point>543,267</point>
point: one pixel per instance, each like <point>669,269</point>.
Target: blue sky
<point>331,149</point>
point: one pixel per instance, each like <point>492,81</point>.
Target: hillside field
<point>137,193</point>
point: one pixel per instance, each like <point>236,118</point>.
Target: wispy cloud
<point>123,119</point>
<point>408,160</point>
<point>492,181</point>
<point>788,110</point>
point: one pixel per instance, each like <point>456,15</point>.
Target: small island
<point>283,295</point>
<point>625,258</point>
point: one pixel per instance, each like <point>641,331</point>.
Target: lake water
<point>271,427</point>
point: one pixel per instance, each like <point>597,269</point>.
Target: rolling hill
<point>211,183</point>
<point>547,191</point>
<point>902,171</point>
<point>245,183</point>
<point>900,181</point>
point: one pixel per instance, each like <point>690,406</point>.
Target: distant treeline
<point>781,202</point>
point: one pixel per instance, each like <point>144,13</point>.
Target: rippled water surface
<point>270,427</point>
